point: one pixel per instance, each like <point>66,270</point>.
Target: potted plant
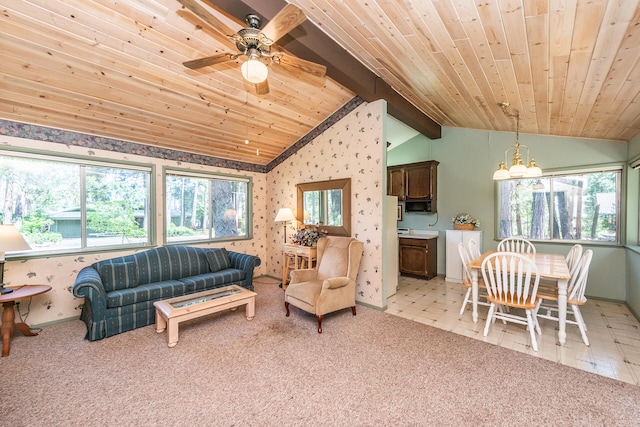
<point>464,221</point>
<point>308,235</point>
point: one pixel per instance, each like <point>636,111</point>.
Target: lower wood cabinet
<point>418,257</point>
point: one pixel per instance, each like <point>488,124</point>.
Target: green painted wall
<point>633,250</point>
<point>468,159</point>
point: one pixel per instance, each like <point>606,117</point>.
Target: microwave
<point>418,206</point>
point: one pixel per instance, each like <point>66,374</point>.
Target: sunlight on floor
<point>613,332</point>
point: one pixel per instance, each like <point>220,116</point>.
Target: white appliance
<point>390,270</point>
<point>453,263</point>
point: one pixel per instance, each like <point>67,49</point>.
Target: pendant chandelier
<point>519,168</point>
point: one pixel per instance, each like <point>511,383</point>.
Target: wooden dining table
<point>551,267</point>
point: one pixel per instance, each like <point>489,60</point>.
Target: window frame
<point>83,162</point>
<point>190,173</point>
<point>564,172</point>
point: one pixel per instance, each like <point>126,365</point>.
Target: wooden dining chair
<point>511,280</point>
<point>473,249</point>
<point>516,244</point>
<point>575,296</point>
<point>573,257</point>
<point>466,257</point>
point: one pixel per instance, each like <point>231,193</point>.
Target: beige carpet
<point>371,369</point>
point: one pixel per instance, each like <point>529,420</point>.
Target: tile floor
<point>614,333</point>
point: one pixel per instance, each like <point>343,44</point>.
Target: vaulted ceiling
<point>115,69</point>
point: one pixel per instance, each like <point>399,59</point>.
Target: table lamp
<point>284,215</point>
<point>10,240</point>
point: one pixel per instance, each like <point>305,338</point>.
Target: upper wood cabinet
<point>414,181</point>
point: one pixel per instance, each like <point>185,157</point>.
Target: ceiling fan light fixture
<point>253,70</point>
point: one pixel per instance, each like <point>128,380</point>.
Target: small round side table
<point>8,315</point>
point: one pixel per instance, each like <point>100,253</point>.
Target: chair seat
<point>508,301</point>
<point>551,293</point>
<point>307,292</point>
<point>481,284</point>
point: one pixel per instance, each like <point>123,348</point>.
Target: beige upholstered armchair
<point>331,285</point>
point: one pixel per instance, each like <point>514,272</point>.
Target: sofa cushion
<point>121,275</point>
<point>206,281</point>
<point>170,263</point>
<point>218,259</point>
<point>148,292</point>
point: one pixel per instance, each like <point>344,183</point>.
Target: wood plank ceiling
<point>114,69</point>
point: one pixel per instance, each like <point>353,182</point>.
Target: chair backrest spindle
<point>516,244</point>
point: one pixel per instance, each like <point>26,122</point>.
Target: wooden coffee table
<point>8,302</point>
<point>170,312</point>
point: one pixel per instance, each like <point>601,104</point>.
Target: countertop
<point>417,234</point>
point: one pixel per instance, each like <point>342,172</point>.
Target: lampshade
<point>253,70</point>
<point>285,214</point>
<point>533,171</point>
<point>501,173</point>
<point>517,171</point>
<point>11,240</point>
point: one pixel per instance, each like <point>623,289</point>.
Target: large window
<point>62,205</point>
<point>581,206</point>
<point>203,207</point>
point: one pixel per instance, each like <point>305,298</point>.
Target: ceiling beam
<point>308,42</point>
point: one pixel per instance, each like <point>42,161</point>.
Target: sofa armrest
<point>89,285</point>
<point>246,263</point>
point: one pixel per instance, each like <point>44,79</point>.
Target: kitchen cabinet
<point>418,257</point>
<point>414,182</point>
<point>454,267</point>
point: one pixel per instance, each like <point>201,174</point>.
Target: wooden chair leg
<point>353,310</point>
<point>286,305</point>
<point>319,323</point>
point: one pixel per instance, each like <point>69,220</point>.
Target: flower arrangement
<point>465,221</point>
<point>308,236</point>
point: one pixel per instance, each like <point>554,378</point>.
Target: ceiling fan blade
<point>309,67</point>
<point>286,20</point>
<point>262,88</point>
<point>207,17</point>
<point>208,60</point>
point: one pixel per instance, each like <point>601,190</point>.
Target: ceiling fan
<point>256,44</point>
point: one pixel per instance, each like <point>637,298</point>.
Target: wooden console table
<point>8,314</point>
<point>295,257</point>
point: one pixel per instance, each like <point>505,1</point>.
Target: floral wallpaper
<point>348,144</point>
<point>352,148</point>
<point>60,272</point>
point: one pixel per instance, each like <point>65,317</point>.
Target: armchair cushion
<point>337,258</point>
<point>306,292</point>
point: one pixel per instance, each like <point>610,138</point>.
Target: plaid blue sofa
<point>119,292</point>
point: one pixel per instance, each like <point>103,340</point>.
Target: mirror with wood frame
<point>327,204</point>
